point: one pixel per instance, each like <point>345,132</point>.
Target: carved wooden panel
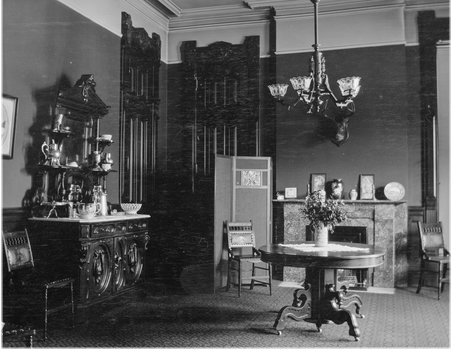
<point>140,63</point>
<point>221,101</point>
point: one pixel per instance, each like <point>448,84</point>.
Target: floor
<point>182,320</point>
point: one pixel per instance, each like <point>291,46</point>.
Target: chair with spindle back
<point>19,257</point>
<point>241,249</point>
<point>434,256</point>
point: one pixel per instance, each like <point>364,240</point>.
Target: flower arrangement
<point>321,211</point>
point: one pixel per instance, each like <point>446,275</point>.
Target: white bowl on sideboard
<point>131,208</point>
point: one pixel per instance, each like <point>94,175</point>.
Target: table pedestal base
<point>321,305</point>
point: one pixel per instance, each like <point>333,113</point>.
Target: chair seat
<point>60,283</point>
<point>438,259</point>
<point>247,258</point>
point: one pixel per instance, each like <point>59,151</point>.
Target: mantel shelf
<point>347,201</point>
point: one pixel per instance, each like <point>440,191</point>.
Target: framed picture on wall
<point>317,182</point>
<point>367,186</point>
<point>9,111</point>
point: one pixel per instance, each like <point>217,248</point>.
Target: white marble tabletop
<point>96,219</point>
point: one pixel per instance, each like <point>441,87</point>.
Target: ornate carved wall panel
<point>140,63</point>
<point>221,101</point>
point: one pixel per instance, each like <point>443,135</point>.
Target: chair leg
<point>445,269</point>
<point>229,272</point>
<point>420,281</point>
<point>72,303</point>
<point>239,279</point>
<point>45,312</point>
<point>439,281</point>
<point>270,279</point>
<point>252,277</point>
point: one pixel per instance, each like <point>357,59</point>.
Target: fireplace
<point>385,223</point>
<point>356,278</point>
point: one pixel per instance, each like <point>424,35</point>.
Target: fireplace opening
<point>356,279</point>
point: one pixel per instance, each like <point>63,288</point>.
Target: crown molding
<point>324,5</point>
<point>343,47</point>
<point>171,6</point>
<point>216,16</point>
<point>342,7</point>
<point>426,3</point>
<point>421,5</point>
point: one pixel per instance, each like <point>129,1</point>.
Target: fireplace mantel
<point>386,223</point>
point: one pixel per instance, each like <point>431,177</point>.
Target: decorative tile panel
<point>251,178</point>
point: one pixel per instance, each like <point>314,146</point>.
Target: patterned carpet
<point>403,319</point>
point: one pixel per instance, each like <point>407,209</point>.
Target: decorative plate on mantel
<point>394,191</point>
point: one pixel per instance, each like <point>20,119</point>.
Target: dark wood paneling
<point>415,214</point>
<point>14,219</point>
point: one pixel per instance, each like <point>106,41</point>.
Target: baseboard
<point>379,290</point>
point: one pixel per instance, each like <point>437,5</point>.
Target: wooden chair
<point>19,256</point>
<point>241,249</point>
<point>433,254</point>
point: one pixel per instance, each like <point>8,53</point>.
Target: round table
<point>319,302</point>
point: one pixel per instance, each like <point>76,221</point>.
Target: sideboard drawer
<point>111,229</point>
<point>137,225</point>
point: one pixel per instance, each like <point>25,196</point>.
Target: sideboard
<point>105,254</point>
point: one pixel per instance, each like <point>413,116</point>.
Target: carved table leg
<point>347,301</point>
<point>299,310</point>
<point>320,303</point>
<point>331,309</point>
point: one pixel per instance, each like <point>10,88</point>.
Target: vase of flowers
<point>323,214</point>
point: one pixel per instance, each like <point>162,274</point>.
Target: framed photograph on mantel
<point>317,182</point>
<point>366,186</point>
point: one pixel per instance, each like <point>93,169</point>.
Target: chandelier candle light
<point>314,89</point>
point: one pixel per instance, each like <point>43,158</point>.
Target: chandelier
<point>314,90</point>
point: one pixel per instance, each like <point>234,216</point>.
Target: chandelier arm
<point>329,90</point>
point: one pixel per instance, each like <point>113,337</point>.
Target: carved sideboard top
<point>96,219</point>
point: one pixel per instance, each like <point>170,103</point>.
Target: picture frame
<point>291,192</point>
<point>317,182</point>
<point>9,113</point>
<point>367,186</point>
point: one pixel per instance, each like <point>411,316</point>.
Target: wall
<point>443,136</point>
<point>378,130</point>
<point>106,13</point>
<point>44,43</point>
